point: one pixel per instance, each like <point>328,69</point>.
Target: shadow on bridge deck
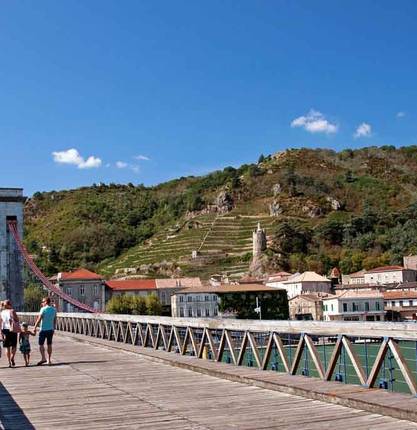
<point>11,415</point>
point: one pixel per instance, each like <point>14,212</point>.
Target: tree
<point>138,305</point>
<point>134,305</point>
<point>33,296</point>
<point>291,237</point>
<point>119,305</point>
<point>261,159</point>
<point>153,305</point>
<point>332,231</point>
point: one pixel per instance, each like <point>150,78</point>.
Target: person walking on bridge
<point>9,328</point>
<point>47,321</point>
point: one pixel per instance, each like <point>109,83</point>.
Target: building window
<point>181,312</point>
<point>377,306</point>
<point>190,312</point>
<point>68,290</point>
<point>215,312</point>
<point>410,303</point>
<point>345,307</point>
<point>214,298</point>
<point>392,303</point>
<point>199,312</point>
<point>401,303</point>
<point>331,307</point>
<point>82,290</point>
<point>189,299</point>
<point>181,299</point>
<point>96,290</point>
<point>206,298</point>
<point>163,296</point>
<point>366,306</point>
<point>354,307</point>
<point>207,312</point>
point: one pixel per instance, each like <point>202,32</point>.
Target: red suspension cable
<point>37,272</point>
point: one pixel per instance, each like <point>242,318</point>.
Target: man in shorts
<point>47,320</point>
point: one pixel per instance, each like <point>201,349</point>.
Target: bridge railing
<point>371,354</point>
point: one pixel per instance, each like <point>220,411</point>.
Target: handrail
<point>397,330</point>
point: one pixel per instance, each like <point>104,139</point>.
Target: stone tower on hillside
<point>258,241</point>
<point>11,264</point>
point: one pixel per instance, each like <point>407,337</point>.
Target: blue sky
<point>192,86</point>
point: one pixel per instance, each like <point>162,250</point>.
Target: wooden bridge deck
<point>98,387</point>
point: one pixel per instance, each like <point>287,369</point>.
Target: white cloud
<point>400,114</point>
<point>73,157</point>
<point>141,157</point>
<point>122,165</point>
<point>314,122</point>
<point>363,130</point>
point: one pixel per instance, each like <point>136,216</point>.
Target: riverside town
<point>208,215</point>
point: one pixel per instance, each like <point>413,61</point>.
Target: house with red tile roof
<point>84,285</point>
<point>163,288</point>
<point>131,287</point>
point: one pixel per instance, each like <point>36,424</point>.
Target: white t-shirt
<point>6,316</point>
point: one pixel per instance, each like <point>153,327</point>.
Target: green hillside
<point>320,208</point>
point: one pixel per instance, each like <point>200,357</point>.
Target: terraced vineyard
<point>222,241</point>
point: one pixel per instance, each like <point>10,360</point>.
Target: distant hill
<point>321,209</point>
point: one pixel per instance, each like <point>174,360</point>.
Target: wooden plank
<point>354,358</point>
<point>315,356</point>
<point>333,359</point>
<point>281,350</point>
<point>254,348</point>
<point>211,343</point>
<point>297,356</point>
<point>378,363</point>
<point>268,350</point>
<point>242,351</point>
<point>231,346</point>
<point>404,368</point>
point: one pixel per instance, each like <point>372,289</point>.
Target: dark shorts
<point>46,335</point>
<point>10,338</point>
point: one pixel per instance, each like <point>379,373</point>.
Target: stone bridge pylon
<point>11,263</point>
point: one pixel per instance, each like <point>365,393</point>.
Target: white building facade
<point>306,283</point>
<point>390,275</point>
<point>354,306</point>
<point>194,305</point>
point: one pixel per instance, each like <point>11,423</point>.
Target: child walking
<point>24,343</point>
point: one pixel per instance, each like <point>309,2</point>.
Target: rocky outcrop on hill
<point>335,204</point>
<point>276,189</point>
<point>275,208</point>
<point>224,202</point>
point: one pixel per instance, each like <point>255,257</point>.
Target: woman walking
<point>9,323</point>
